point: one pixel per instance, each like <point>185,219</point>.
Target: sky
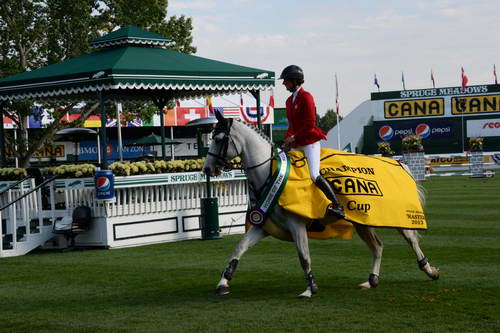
<point>355,39</point>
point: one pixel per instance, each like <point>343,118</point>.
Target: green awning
<point>134,71</point>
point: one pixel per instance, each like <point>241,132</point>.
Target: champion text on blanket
<point>234,138</point>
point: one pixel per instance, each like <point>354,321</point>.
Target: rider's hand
<point>287,142</point>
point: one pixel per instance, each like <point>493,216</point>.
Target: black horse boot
<point>334,209</point>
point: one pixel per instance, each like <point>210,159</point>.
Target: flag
<point>135,123</point>
<point>186,114</point>
<point>495,73</point>
<point>111,123</point>
<point>178,103</point>
<point>337,105</point>
<point>403,80</point>
<point>170,116</point>
<point>209,105</point>
<point>375,82</point>
<point>241,103</point>
<point>271,99</point>
<point>465,79</point>
<point>231,112</point>
<point>432,79</point>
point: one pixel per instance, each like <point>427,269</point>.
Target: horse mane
<point>257,130</point>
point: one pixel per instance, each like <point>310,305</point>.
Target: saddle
<point>374,191</point>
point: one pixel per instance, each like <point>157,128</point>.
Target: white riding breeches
<point>313,154</point>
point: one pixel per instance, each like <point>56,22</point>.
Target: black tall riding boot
<point>334,209</point>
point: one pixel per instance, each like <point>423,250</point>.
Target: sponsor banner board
<point>49,152</point>
<point>414,108</point>
<point>483,127</point>
<point>475,104</point>
<point>435,129</point>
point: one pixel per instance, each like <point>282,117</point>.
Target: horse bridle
<point>224,126</point>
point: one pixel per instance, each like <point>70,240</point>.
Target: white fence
<point>146,209</point>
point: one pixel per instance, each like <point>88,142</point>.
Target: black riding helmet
<point>292,72</point>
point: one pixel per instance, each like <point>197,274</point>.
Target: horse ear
<point>219,115</point>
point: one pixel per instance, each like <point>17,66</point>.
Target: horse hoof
<point>222,290</point>
<point>434,273</point>
<point>306,294</point>
<point>364,285</point>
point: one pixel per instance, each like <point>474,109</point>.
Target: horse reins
<point>221,156</point>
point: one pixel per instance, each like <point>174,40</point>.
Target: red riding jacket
<point>301,115</point>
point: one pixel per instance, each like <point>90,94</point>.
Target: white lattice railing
<point>153,193</point>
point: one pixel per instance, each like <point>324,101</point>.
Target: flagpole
<point>337,109</point>
<point>118,124</point>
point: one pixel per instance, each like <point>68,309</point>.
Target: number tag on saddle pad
<point>257,215</point>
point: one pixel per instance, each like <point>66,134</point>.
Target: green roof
<point>136,72</point>
<point>131,35</point>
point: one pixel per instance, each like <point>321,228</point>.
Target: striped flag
<point>232,112</point>
<point>432,79</point>
<point>375,82</point>
<point>271,99</point>
<point>495,73</point>
<point>403,80</point>
<point>465,79</point>
<point>209,105</point>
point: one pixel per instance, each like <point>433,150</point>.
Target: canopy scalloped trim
<point>131,41</point>
<point>183,90</point>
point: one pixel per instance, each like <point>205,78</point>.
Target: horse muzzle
<point>212,172</point>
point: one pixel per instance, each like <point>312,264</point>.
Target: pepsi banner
<point>435,129</point>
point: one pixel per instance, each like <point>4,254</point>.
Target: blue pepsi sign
<point>435,129</point>
<point>104,185</point>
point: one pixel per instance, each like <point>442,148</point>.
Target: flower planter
<point>476,166</point>
<point>416,162</point>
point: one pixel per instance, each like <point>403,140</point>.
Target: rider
<point>303,133</point>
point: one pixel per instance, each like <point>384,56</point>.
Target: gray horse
<point>235,138</point>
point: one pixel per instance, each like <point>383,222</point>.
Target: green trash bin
<point>210,218</point>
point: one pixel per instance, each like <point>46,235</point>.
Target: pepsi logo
<point>386,132</point>
<point>103,184</point>
<point>423,130</point>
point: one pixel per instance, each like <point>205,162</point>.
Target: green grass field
<point>169,287</point>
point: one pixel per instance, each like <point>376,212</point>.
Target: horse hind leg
<point>371,239</point>
<point>411,237</point>
<point>252,237</point>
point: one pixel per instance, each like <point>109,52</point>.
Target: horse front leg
<point>411,237</point>
<point>375,244</point>
<point>299,235</point>
<point>252,237</point>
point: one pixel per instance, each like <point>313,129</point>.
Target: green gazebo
<point>131,64</point>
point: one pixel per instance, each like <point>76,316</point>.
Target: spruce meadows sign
<point>437,102</point>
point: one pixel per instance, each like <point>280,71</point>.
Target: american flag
<point>227,111</point>
<point>232,112</point>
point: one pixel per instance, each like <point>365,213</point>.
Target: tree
<point>328,121</point>
<point>36,33</point>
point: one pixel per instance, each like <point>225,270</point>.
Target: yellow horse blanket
<point>374,191</point>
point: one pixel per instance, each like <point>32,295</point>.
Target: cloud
<point>197,4</point>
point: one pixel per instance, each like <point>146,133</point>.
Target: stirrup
<point>337,211</point>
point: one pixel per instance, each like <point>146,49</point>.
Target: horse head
<point>222,148</point>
